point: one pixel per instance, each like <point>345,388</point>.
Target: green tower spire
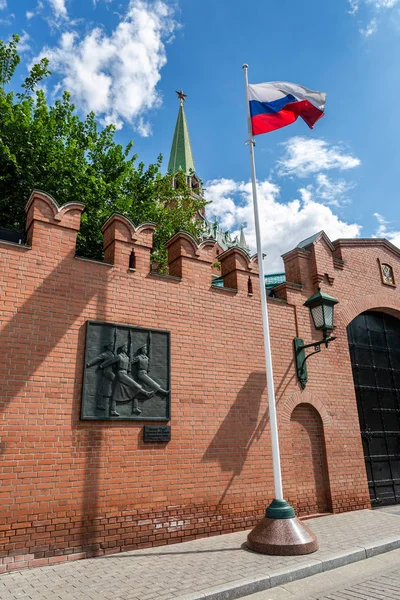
<point>181,151</point>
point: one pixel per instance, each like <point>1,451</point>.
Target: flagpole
<point>276,461</point>
<point>279,532</point>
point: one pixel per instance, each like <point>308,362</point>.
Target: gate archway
<point>374,341</point>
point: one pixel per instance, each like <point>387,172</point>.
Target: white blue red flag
<point>278,103</point>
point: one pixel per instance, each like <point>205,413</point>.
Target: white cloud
<point>374,4</point>
<point>332,192</point>
<point>116,75</point>
<point>383,231</point>
<point>8,20</point>
<point>23,44</point>
<point>370,28</point>
<point>59,9</point>
<point>3,4</point>
<point>305,156</point>
<point>383,3</point>
<point>327,191</point>
<point>395,239</point>
<point>283,225</point>
<point>55,17</point>
<point>376,8</point>
<point>354,6</point>
<point>222,193</point>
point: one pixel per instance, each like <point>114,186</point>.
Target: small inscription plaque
<point>153,433</point>
<point>126,373</point>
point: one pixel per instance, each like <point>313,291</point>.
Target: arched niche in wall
<point>311,489</point>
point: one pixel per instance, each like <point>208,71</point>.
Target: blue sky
<point>125,59</point>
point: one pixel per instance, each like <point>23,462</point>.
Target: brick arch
<point>384,301</point>
<point>301,397</point>
<point>310,490</point>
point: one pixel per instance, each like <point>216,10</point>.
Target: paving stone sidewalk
<point>216,568</point>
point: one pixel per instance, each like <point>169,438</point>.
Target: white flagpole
<point>267,343</point>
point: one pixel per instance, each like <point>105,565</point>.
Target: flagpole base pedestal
<point>281,533</point>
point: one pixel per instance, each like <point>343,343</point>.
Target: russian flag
<point>278,103</point>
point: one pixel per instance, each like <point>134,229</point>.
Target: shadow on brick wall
<point>35,330</point>
<point>239,430</point>
<point>88,439</point>
<point>32,337</point>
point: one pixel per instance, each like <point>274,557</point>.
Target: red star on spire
<point>182,97</point>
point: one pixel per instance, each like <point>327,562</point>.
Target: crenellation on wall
<point>121,237</point>
<point>236,267</point>
<point>207,250</point>
<point>47,222</point>
<point>189,260</point>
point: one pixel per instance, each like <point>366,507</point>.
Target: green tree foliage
<point>51,148</point>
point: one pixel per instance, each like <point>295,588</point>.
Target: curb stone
<point>244,587</point>
<point>387,545</point>
<point>342,558</point>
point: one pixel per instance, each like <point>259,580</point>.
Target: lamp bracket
<point>301,356</point>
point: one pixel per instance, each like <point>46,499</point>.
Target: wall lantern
<point>322,311</point>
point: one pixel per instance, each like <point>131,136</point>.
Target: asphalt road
<point>376,578</point>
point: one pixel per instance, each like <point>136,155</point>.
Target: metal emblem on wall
<point>126,374</point>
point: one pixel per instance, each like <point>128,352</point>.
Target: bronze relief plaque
<point>126,373</point>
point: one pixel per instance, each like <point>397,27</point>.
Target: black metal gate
<point>374,340</point>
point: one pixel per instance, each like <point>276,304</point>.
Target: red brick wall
<point>74,488</point>
<point>310,476</point>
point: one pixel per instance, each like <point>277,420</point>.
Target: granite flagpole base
<point>281,533</point>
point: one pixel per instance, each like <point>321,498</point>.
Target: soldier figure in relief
<point>143,363</point>
<point>126,388</point>
<point>105,392</point>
